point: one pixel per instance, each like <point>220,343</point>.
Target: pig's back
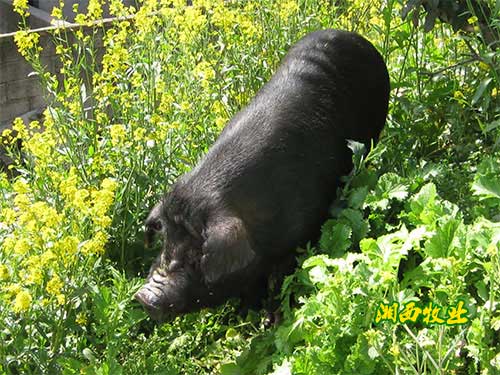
<point>278,162</point>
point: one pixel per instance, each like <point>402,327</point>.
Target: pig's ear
<point>153,224</point>
<point>226,249</point>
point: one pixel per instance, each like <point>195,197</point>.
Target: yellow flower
<point>117,9</point>
<point>117,133</point>
<point>484,66</point>
<point>34,273</point>
<point>21,7</point>
<point>395,350</point>
<point>80,19</point>
<point>96,244</point>
<point>66,248</point>
<point>94,10</point>
<point>109,185</point>
<point>47,257</point>
<point>22,246</point>
<point>472,20</point>
<point>67,186</point>
<point>166,103</point>
<point>9,216</point>
<point>81,319</point>
<point>204,72</point>
<point>57,13</point>
<point>8,244</point>
<point>80,199</point>
<point>26,41</point>
<point>34,125</point>
<point>22,301</point>
<point>102,221</point>
<point>54,285</point>
<point>11,290</point>
<point>7,138</point>
<point>248,27</point>
<point>220,122</point>
<point>4,272</point>
<point>20,128</point>
<point>20,187</point>
<point>22,201</point>
<point>185,106</point>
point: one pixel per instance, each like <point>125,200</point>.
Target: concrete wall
<point>9,20</point>
<point>47,5</point>
<point>20,93</point>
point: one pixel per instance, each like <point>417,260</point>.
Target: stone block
<point>24,88</point>
<point>12,109</point>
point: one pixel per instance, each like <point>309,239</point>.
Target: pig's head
<point>205,258</point>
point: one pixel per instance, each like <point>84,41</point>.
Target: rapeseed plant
<point>22,301</point>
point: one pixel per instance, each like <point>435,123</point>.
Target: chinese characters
<point>428,314</point>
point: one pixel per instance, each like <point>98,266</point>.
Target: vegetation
<point>415,231</point>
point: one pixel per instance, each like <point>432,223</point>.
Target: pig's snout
<point>150,300</point>
<point>161,296</point>
<point>152,296</point>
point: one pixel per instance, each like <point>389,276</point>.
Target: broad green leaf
<point>425,197</point>
<point>388,250</point>
<point>335,238</point>
<point>486,181</point>
<point>389,186</point>
<point>357,197</point>
<point>440,245</point>
<point>486,187</point>
<point>359,226</point>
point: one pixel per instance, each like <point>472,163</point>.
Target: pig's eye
<point>152,226</point>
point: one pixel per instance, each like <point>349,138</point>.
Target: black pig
<point>266,184</point>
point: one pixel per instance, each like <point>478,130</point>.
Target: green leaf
<point>486,183</point>
<point>89,355</point>
<point>335,238</point>
<point>357,197</point>
<point>388,250</point>
<point>440,245</point>
<point>389,186</point>
<point>231,333</point>
<point>359,226</point>
<point>359,151</point>
<point>480,90</point>
<point>230,369</point>
<point>425,197</point>
<point>426,207</point>
<point>316,260</point>
<point>486,187</point>
<point>492,125</point>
